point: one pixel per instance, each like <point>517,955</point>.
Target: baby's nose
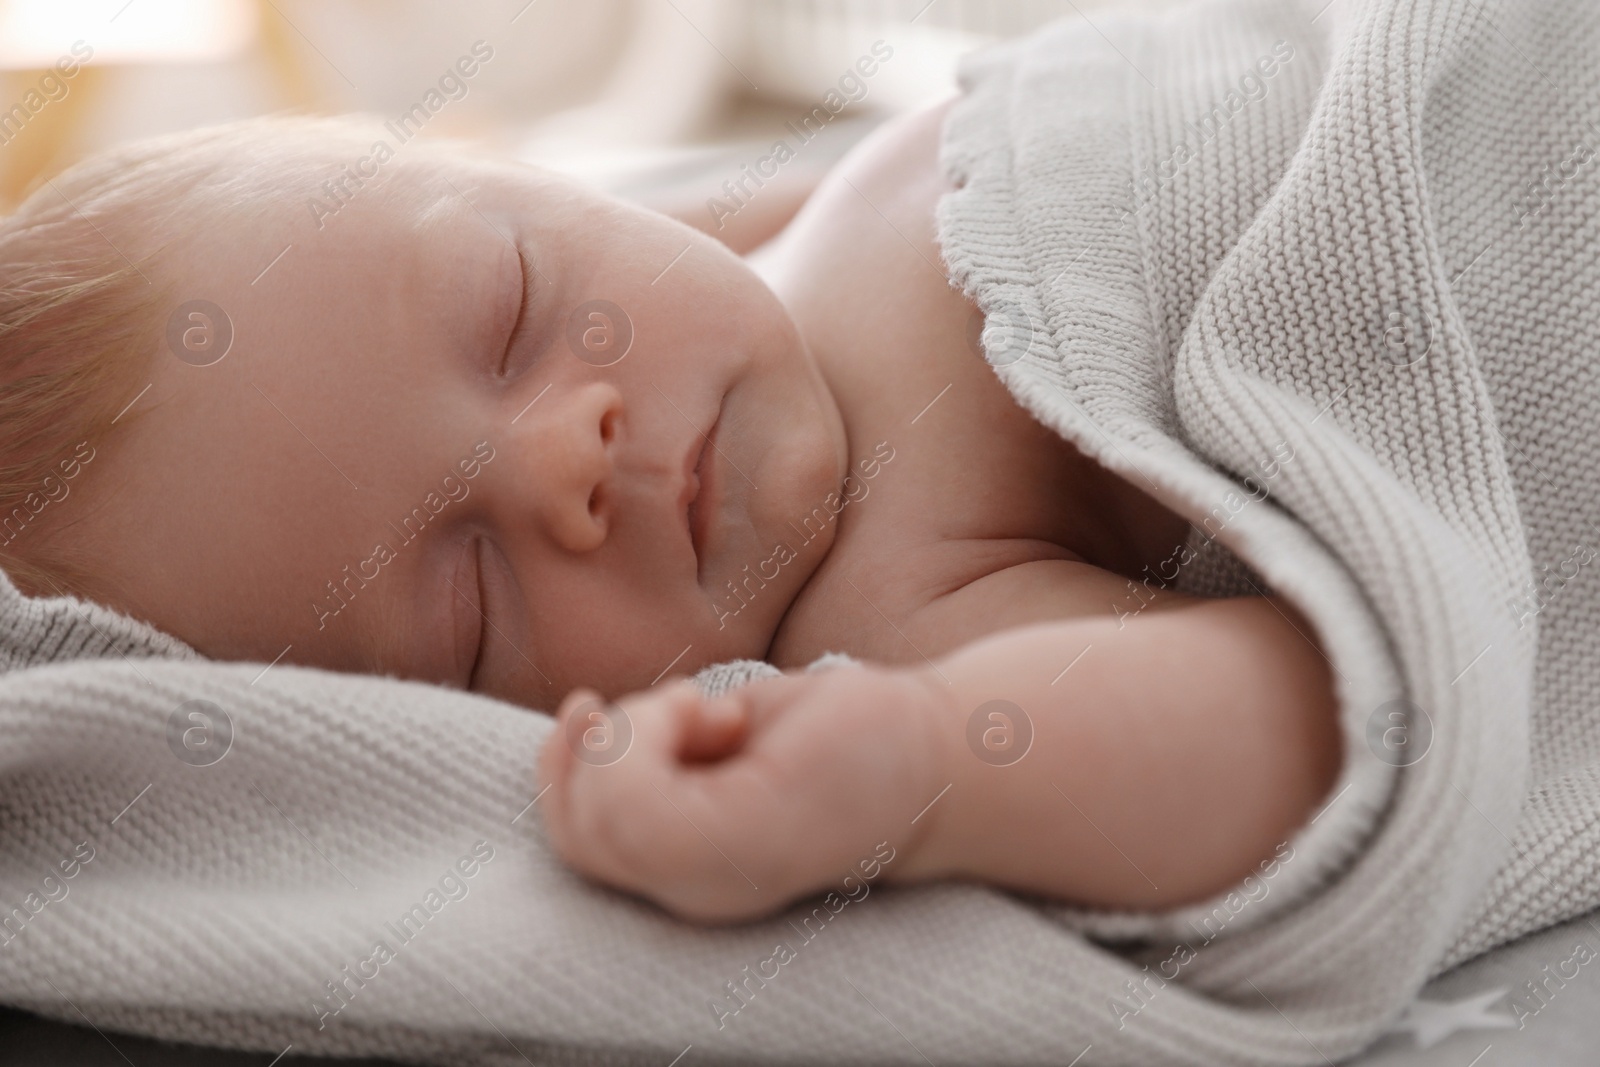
<point>571,465</point>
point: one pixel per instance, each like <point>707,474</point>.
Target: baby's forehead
<point>348,208</point>
<point>270,163</point>
<point>414,186</point>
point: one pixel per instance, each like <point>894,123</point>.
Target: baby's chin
<point>779,522</point>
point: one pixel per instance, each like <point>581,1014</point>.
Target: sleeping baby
<point>482,426</point>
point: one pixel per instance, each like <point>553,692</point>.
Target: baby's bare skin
<point>423,357</point>
<point>984,519</point>
<point>984,558</point>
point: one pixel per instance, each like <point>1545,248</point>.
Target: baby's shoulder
<point>882,190</point>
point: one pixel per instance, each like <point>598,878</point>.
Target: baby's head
<point>295,384</point>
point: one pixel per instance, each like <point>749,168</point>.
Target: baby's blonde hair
<point>75,317</point>
<point>81,321</point>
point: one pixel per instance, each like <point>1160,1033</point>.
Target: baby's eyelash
<point>516,324</point>
<point>520,322</point>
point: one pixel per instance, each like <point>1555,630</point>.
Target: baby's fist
<point>725,809</point>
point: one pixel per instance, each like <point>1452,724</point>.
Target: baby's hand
<point>725,809</point>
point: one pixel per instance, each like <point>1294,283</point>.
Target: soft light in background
<point>626,93</point>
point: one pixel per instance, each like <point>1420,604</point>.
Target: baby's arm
<point>1164,765</point>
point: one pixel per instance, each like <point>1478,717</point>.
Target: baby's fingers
<point>616,794</point>
<point>713,729</point>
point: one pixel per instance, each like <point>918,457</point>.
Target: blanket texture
<point>1322,277</point>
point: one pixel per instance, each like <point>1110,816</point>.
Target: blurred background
<point>638,96</point>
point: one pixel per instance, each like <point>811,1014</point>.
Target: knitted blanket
<point>1322,278</point>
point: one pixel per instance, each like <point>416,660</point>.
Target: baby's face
<point>432,406</point>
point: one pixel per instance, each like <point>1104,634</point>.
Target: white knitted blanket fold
<point>1338,314</point>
